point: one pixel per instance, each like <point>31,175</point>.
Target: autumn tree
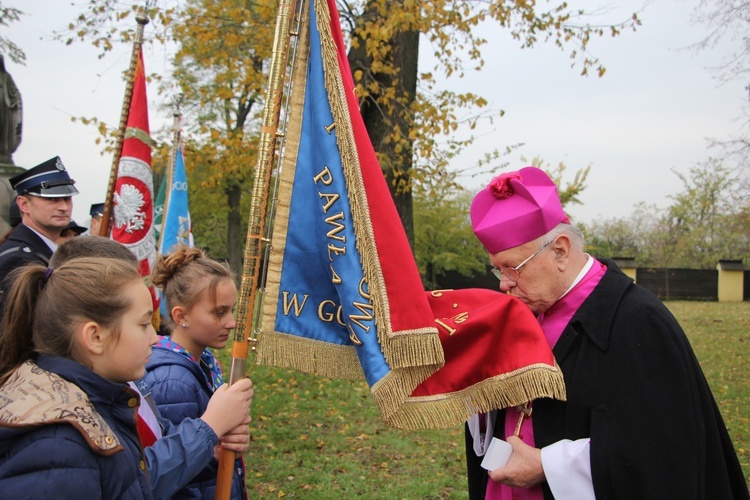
<point>219,69</point>
<point>10,15</point>
<point>404,107</point>
<point>707,221</point>
<point>222,45</point>
<point>729,20</point>
<point>444,240</point>
<point>220,48</point>
<point>709,217</point>
<point>632,236</point>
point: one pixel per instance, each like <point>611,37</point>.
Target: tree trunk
<point>235,246</point>
<point>389,133</point>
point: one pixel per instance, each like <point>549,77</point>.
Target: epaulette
<point>20,248</point>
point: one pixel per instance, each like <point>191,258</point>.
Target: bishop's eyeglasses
<point>513,273</point>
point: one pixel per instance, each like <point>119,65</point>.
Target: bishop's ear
<point>561,246</point>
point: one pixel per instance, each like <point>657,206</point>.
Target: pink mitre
<point>515,208</point>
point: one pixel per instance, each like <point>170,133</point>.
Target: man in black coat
<point>640,420</point>
<point>45,203</point>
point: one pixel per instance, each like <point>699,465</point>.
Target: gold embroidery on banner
<point>337,227</point>
<point>293,303</point>
<point>336,251</point>
<point>331,198</point>
<point>335,278</point>
<point>353,336</point>
<point>324,176</point>
<point>461,317</point>
<point>364,308</point>
<point>447,327</point>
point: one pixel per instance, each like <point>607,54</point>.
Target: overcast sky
<point>651,112</point>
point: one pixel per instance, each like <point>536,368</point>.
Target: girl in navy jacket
<point>181,451</point>
<point>71,340</point>
<point>183,374</point>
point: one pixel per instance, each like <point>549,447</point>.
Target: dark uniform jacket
<point>635,388</point>
<point>67,433</point>
<point>22,247</point>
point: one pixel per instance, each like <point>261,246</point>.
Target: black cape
<point>636,389</point>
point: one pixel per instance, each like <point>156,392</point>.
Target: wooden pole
<point>142,20</point>
<point>251,270</point>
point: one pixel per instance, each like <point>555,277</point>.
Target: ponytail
<point>16,344</point>
<point>45,307</point>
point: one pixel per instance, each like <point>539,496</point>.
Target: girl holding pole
<point>183,373</point>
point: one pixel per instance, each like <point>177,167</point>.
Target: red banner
<point>134,190</point>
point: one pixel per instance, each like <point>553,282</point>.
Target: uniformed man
<point>44,200</point>
<point>96,212</point>
<point>70,231</point>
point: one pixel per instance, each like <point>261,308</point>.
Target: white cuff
<point>481,439</point>
<point>567,468</point>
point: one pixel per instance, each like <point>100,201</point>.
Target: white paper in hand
<point>497,454</point>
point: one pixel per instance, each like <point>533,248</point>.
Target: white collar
<point>584,270</point>
<point>51,244</point>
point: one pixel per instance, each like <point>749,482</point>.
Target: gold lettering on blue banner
<point>364,308</point>
<point>294,303</point>
<point>325,312</point>
<point>333,249</point>
<point>324,177</point>
<point>353,336</point>
<point>331,198</point>
<point>328,317</point>
<point>337,227</point>
<point>335,278</point>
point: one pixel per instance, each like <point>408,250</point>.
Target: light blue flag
<point>176,229</point>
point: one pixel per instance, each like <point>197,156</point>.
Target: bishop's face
<point>537,283</point>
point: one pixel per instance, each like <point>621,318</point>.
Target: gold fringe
<point>503,391</point>
<point>307,355</point>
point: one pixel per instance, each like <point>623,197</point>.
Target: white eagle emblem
<point>128,213</point>
<point>183,232</point>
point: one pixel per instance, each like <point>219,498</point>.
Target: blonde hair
<point>44,306</point>
<point>180,276</point>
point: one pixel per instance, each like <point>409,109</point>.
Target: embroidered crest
<point>129,209</point>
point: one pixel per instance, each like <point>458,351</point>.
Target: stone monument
<point>11,127</point>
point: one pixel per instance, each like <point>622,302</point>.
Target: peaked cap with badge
<point>96,210</point>
<point>49,179</point>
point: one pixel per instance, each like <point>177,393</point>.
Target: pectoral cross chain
<point>524,410</point>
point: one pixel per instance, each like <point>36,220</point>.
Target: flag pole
<point>254,244</point>
<point>176,138</point>
<point>142,19</point>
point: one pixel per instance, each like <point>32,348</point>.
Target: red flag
<point>134,190</point>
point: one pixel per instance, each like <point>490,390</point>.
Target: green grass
<point>720,336</point>
<point>313,437</point>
